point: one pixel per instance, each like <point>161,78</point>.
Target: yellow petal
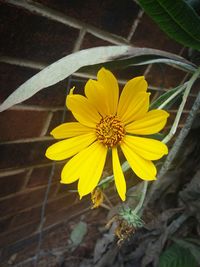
<point>108,81</point>
<point>147,148</point>
<point>118,175</point>
<point>131,88</point>
<point>72,169</point>
<point>67,148</point>
<point>143,168</point>
<point>70,129</point>
<point>151,123</point>
<point>136,108</point>
<point>92,168</point>
<point>83,110</point>
<point>98,96</point>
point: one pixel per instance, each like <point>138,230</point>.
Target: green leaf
<point>176,18</point>
<point>193,245</point>
<point>78,234</point>
<point>61,69</point>
<point>167,98</point>
<point>176,256</point>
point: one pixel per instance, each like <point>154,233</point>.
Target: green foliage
<point>193,245</point>
<point>177,256</point>
<point>167,99</point>
<point>176,18</point>
<point>77,234</point>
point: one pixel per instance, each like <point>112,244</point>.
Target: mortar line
<point>46,124</point>
<point>27,140</point>
<point>57,16</point>
<point>135,25</point>
<point>79,40</point>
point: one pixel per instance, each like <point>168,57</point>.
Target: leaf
<point>176,18</point>
<point>176,256</point>
<point>78,234</point>
<point>167,97</point>
<point>67,65</point>
<point>193,245</point>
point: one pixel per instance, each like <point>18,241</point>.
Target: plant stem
<point>142,198</point>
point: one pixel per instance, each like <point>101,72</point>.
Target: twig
<point>157,188</point>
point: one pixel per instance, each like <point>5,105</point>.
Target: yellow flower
<point>107,121</point>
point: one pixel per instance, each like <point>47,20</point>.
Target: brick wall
<point>34,34</point>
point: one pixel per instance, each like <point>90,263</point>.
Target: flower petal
<point>70,129</point>
<point>97,95</point>
<point>143,168</point>
<point>131,88</point>
<point>136,109</point>
<point>147,148</point>
<point>92,168</point>
<point>72,169</point>
<point>151,123</point>
<point>108,81</point>
<point>67,148</point>
<point>83,110</point>
<point>118,175</point>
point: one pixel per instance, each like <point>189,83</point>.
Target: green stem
<point>142,198</point>
<point>181,107</point>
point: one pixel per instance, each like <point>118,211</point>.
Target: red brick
<point>40,176</point>
<point>23,217</point>
<point>13,76</point>
<point>163,76</point>
<point>66,214</point>
<point>109,15</point>
<point>129,72</point>
<point>90,41</point>
<point>19,124</point>
<point>63,202</point>
<point>28,36</point>
<point>21,233</point>
<point>171,119</point>
<point>57,119</point>
<point>148,34</point>
<point>5,224</point>
<point>23,154</point>
<point>11,183</point>
<point>24,200</point>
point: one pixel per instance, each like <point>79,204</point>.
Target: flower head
<point>107,121</point>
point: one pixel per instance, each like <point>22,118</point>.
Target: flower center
<point>110,131</point>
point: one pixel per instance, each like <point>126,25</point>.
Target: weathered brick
<point>24,200</point>
<point>148,34</point>
<point>40,176</point>
<point>23,154</point>
<point>109,15</point>
<point>19,124</point>
<point>5,223</point>
<point>13,76</point>
<point>11,183</point>
<point>54,205</point>
<point>52,96</point>
<point>32,214</point>
<point>21,233</point>
<point>64,202</point>
<point>90,41</point>
<point>163,76</point>
<point>41,39</point>
<point>67,213</point>
<point>57,119</point>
